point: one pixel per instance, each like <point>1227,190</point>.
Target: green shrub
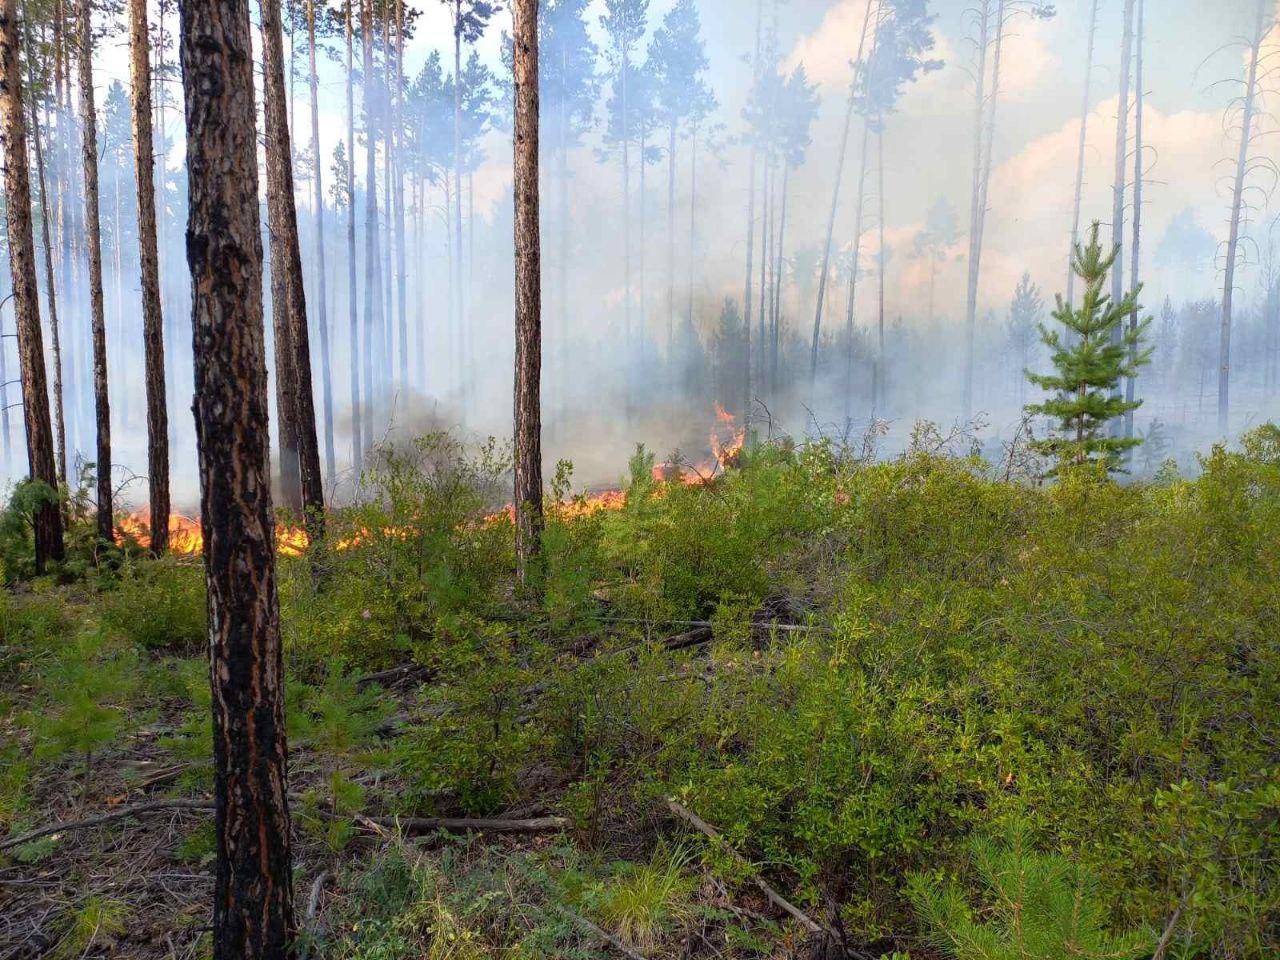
<point>159,604</point>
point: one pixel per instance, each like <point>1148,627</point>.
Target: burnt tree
<point>253,894</point>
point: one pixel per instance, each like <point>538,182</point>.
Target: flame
<point>186,537</point>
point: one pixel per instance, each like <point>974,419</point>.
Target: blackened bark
<point>149,262</point>
<point>253,894</point>
<point>288,293</point>
<point>528,372</point>
<point>26,305</point>
<point>93,237</point>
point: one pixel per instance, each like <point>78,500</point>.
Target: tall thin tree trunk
<point>1084,126</point>
<point>1121,166</point>
<point>253,884</point>
<point>976,199</point>
<point>26,301</point>
<point>372,286</point>
<point>882,372</point>
<point>671,243</point>
<point>457,189</point>
<point>690,333</point>
<point>59,425</point>
<point>387,242</point>
<point>751,239</point>
<point>835,198</point>
<point>762,350</point>
<point>851,298</point>
<point>93,236</point>
<point>1233,238</point>
<point>152,316</point>
<point>353,344</point>
<point>394,144</point>
<point>528,372</point>
<point>1137,211</point>
<point>322,309</point>
<point>777,279</point>
<point>626,231</point>
<point>287,286</point>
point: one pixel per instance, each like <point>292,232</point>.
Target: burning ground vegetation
<point>793,701</point>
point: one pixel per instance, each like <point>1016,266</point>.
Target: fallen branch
<point>408,825</point>
<point>136,810</point>
<point>420,825</point>
<point>1167,937</point>
<point>777,899</point>
<point>394,675</point>
<point>600,932</point>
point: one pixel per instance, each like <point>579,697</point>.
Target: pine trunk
<point>26,303</point>
<point>322,307</point>
<point>51,294</point>
<point>1121,166</point>
<point>976,200</point>
<point>152,317</point>
<point>372,287</point>
<point>1130,385</point>
<point>288,293</point>
<point>253,885</point>
<point>353,319</point>
<point>1233,238</point>
<point>528,356</point>
<point>671,244</point>
<point>93,237</point>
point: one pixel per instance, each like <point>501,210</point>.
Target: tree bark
<point>397,196</point>
<point>777,280</point>
<point>322,307</point>
<point>253,891</point>
<point>1084,127</point>
<point>1233,238</point>
<point>93,237</point>
<point>528,294</point>
<point>51,292</point>
<point>47,521</point>
<point>976,200</point>
<point>1121,168</point>
<point>457,191</point>
<point>152,317</point>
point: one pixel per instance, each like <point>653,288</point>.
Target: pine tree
<point>1100,352</point>
<point>1038,907</point>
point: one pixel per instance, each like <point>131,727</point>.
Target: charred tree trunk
<point>93,237</point>
<point>322,308</point>
<point>1233,238</point>
<point>353,319</point>
<point>288,293</point>
<point>26,303</point>
<point>1084,127</point>
<point>253,887</point>
<point>152,317</point>
<point>528,373</point>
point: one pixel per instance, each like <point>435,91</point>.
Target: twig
<point>313,901</point>
<point>138,809</point>
<point>600,932</point>
<point>1167,936</point>
<point>777,899</point>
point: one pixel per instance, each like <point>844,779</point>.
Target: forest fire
<point>725,443</point>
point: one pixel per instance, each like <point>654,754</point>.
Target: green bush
<point>160,604</point>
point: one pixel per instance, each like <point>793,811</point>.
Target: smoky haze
<point>645,279</point>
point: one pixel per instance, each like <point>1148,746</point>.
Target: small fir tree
<point>1090,364</point>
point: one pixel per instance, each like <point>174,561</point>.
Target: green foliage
<point>642,901</point>
<point>1036,906</point>
<point>17,543</point>
<point>340,714</point>
<point>159,604</point>
<point>96,920</point>
<point>1097,354</point>
<point>326,817</point>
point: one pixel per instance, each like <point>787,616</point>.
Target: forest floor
<point>817,706</point>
